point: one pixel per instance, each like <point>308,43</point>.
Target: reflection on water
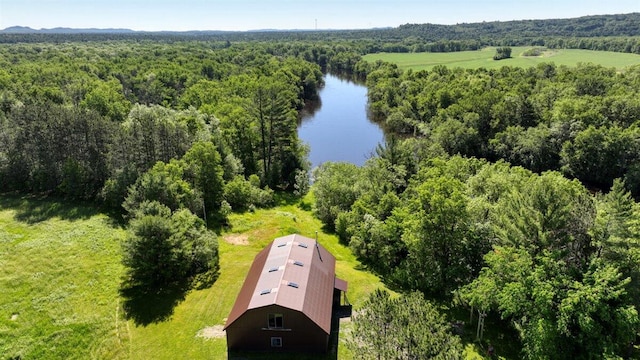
<point>336,126</point>
<point>309,110</point>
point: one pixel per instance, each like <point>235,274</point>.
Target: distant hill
<point>18,30</point>
<point>586,26</point>
<point>66,30</point>
<point>63,30</point>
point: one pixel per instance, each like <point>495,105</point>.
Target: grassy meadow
<point>59,282</point>
<point>60,277</point>
<point>484,58</point>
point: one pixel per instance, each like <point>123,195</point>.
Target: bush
<point>502,53</point>
<point>301,186</point>
<point>237,193</point>
<point>533,52</point>
<point>244,194</point>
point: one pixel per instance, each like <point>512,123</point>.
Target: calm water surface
<point>337,127</point>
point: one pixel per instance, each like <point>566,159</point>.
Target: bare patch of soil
<point>237,239</point>
<point>211,332</point>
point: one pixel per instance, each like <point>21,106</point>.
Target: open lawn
<point>60,276</point>
<point>484,58</point>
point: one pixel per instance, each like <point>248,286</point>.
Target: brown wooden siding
<point>299,333</point>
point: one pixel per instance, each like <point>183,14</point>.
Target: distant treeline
<point>587,26</point>
<point>413,44</point>
<point>620,33</point>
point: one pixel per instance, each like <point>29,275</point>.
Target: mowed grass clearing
<point>484,58</point>
<point>60,276</point>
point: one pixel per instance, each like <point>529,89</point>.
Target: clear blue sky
<point>179,15</point>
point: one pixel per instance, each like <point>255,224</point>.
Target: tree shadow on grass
<point>34,209</point>
<point>304,205</point>
<point>146,305</point>
<point>282,198</point>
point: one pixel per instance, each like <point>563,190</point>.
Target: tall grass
<point>59,280</point>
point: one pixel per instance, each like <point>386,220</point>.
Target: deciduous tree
<point>405,327</point>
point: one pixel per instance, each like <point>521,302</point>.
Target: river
<point>337,127</point>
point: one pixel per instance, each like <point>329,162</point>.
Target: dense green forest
<point>508,192</point>
<point>85,121</point>
<point>581,120</point>
<point>536,249</point>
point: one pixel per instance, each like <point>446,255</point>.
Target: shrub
<point>242,194</point>
<point>533,52</point>
<point>502,53</point>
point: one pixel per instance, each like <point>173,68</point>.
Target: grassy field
<point>60,276</point>
<point>249,233</point>
<point>60,280</point>
<point>484,58</point>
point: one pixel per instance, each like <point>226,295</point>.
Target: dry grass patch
<point>236,239</point>
<point>212,332</point>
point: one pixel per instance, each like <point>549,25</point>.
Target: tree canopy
<point>406,327</point>
<point>165,248</point>
<point>581,121</point>
<point>537,249</point>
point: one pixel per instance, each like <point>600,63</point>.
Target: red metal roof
<point>295,272</point>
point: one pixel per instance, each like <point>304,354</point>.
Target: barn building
<point>287,299</point>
